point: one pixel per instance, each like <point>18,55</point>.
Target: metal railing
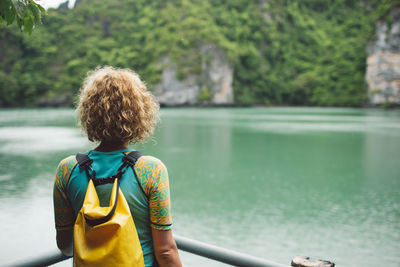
<point>189,245</point>
<point>221,254</point>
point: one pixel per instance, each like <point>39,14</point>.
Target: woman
<point>116,110</point>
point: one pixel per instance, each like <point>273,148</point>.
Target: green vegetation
<point>387,105</point>
<point>298,52</point>
<point>205,95</point>
<point>26,13</point>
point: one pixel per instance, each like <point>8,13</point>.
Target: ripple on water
<point>5,177</point>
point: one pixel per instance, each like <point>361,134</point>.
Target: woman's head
<point>114,105</point>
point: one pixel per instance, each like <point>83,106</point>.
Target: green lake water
<point>271,182</point>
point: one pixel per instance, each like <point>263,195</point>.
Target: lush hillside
<point>297,52</point>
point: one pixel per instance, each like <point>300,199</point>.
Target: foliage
<point>205,95</point>
<point>299,52</point>
<point>26,13</point>
<point>388,105</point>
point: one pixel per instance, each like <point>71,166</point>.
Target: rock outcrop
<point>214,79</point>
<point>64,5</point>
<point>383,63</point>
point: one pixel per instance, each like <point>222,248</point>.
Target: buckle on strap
<point>107,180</point>
<point>84,161</point>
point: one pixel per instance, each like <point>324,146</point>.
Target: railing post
<point>307,262</point>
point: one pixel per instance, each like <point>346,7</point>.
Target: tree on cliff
<point>26,13</point>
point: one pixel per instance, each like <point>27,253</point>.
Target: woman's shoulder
<point>68,160</point>
<point>67,163</point>
<point>64,170</point>
<point>151,173</point>
<point>150,163</point>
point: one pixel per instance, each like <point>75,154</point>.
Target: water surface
<point>271,182</point>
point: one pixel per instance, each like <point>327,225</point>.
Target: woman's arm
<point>63,212</point>
<point>65,241</point>
<point>165,248</point>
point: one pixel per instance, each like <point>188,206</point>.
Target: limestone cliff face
<point>383,62</point>
<point>215,77</point>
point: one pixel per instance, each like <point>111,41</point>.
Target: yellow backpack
<point>106,236</point>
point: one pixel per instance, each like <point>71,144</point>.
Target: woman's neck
<point>108,146</point>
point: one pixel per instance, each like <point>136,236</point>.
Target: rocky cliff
<point>212,85</point>
<point>383,62</point>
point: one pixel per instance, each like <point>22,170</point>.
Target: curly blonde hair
<point>115,105</point>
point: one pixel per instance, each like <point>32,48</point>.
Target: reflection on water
<point>271,182</point>
<point>33,140</point>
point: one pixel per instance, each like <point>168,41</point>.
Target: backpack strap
<point>131,158</point>
<point>83,160</point>
<point>85,163</point>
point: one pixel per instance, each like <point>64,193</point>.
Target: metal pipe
<point>221,254</point>
<point>195,247</point>
<point>50,259</point>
